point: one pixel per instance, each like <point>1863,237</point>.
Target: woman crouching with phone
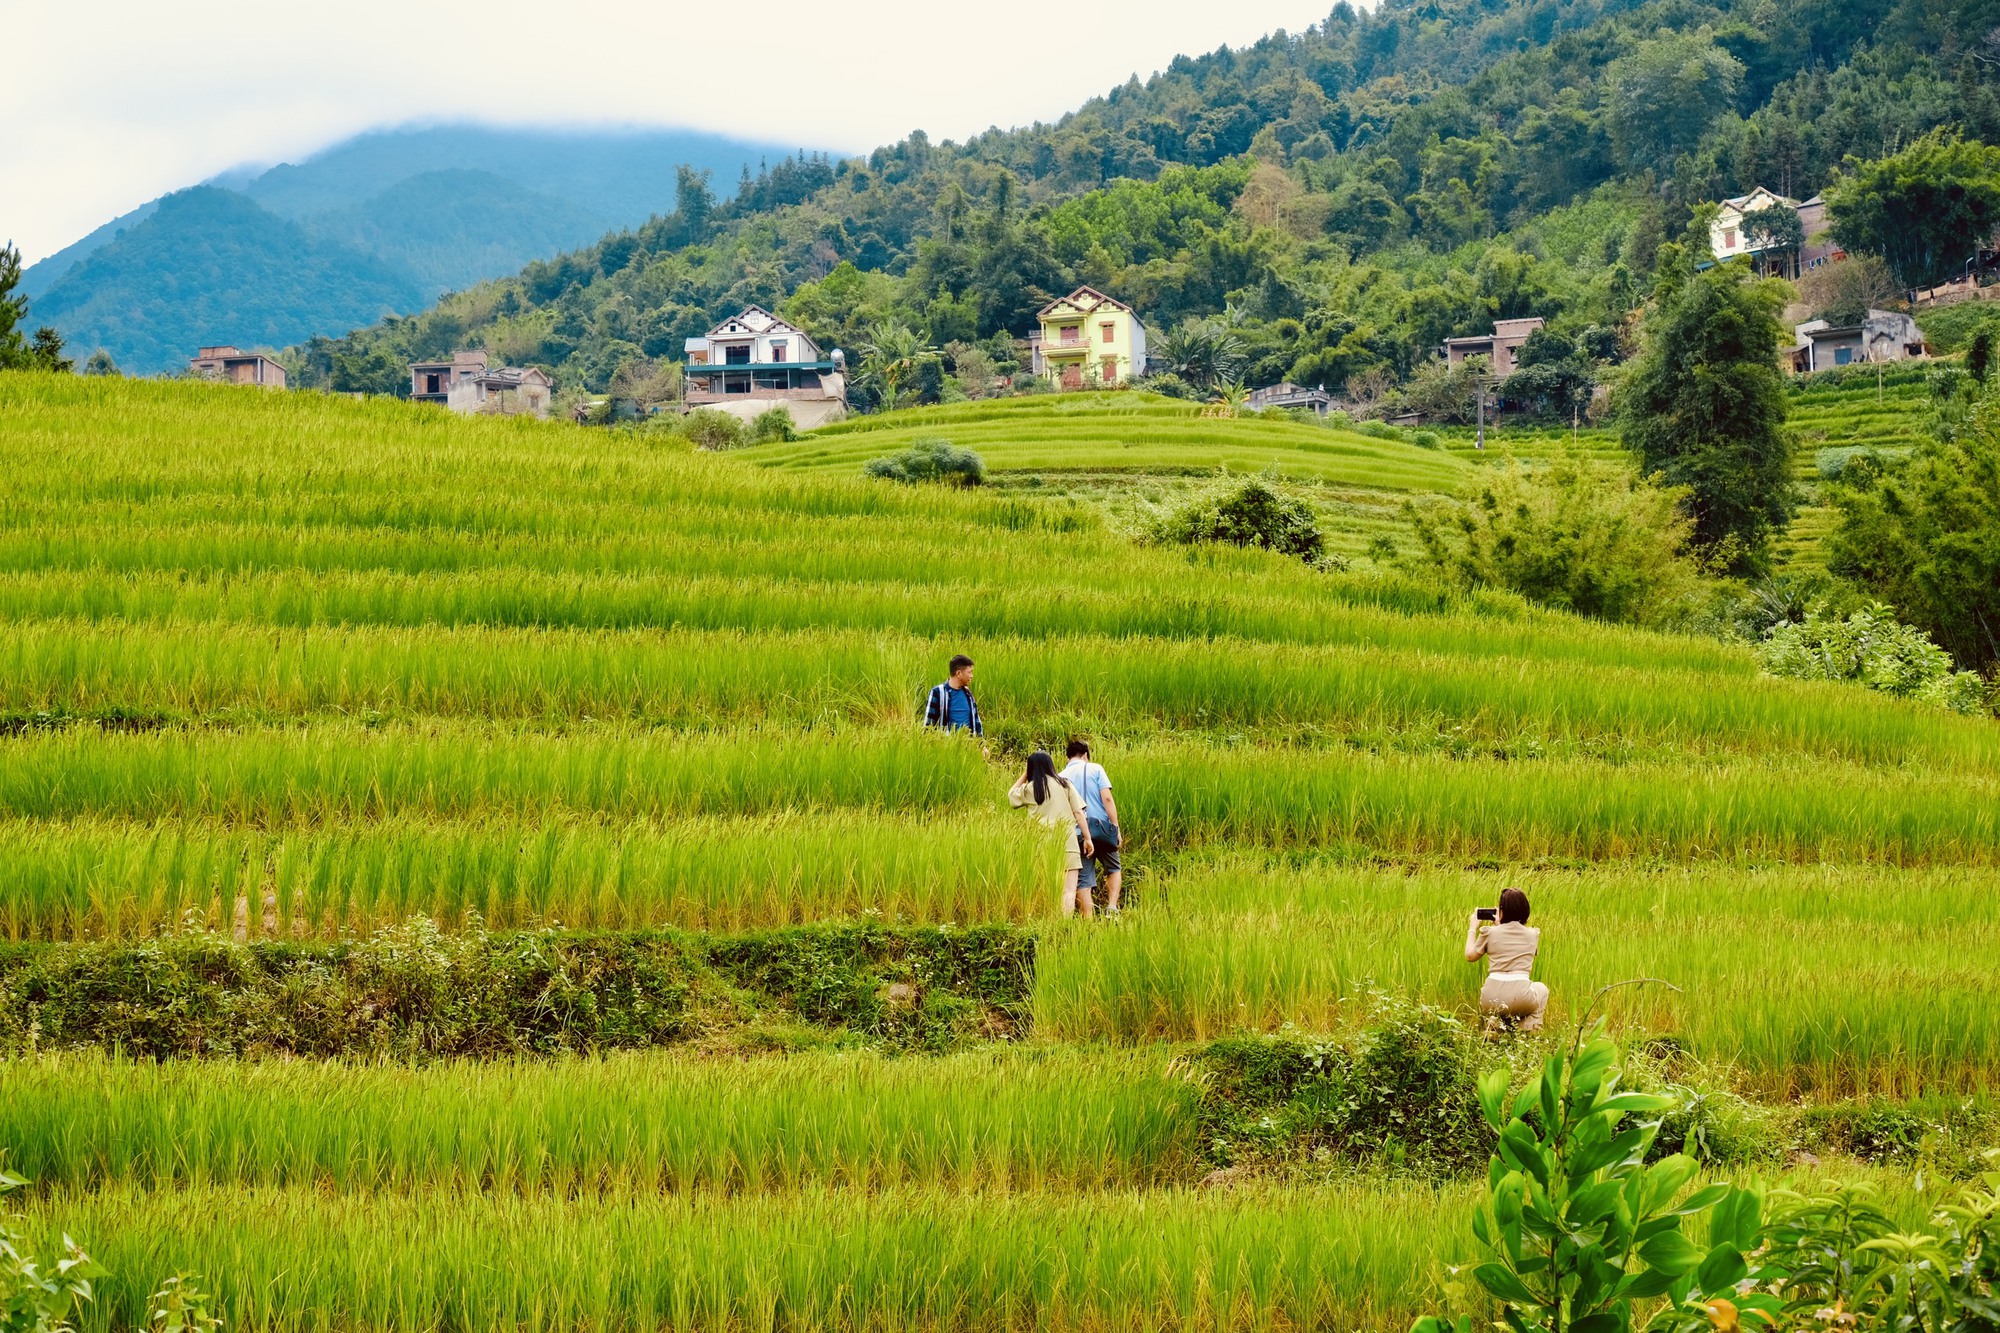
<point>1507,942</point>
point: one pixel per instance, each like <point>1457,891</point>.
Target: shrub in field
<point>1871,647</point>
<point>1251,515</point>
<point>1404,1095</point>
<point>413,991</point>
<point>930,459</point>
<point>711,429</point>
<point>774,424</point>
<point>1584,536</point>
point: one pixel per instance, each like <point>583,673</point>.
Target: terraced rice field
<point>290,670</point>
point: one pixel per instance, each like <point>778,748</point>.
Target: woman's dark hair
<point>1041,769</point>
<point>1514,906</point>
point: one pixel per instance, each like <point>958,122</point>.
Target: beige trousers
<point>1525,1000</point>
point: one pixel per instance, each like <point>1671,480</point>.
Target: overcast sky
<point>115,102</point>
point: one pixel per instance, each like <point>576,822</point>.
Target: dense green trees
<point>1347,196</point>
<point>1926,210</point>
<point>1925,538</point>
<point>42,351</point>
<point>1666,94</point>
<point>1704,406</point>
<point>1584,536</point>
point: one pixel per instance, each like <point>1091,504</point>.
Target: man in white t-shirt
<point>1101,811</point>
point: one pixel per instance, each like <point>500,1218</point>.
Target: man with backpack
<point>951,706</point>
<point>1101,813</point>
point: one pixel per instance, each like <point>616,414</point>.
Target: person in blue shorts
<point>1101,810</point>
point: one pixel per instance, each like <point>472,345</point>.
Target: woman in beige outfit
<point>1508,946</point>
<point>1057,804</point>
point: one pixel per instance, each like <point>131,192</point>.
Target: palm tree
<point>1229,400</point>
<point>1203,353</point>
<point>889,359</point>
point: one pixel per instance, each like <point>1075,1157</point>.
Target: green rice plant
<point>111,878</point>
<point>1349,1256</point>
<point>1426,806</point>
<point>1214,592</point>
<point>687,678</point>
<point>268,777</point>
<point>1018,1120</point>
<point>1129,432</point>
<point>1175,794</point>
<point>1802,980</point>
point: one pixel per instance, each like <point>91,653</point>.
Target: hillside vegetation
<point>348,727</point>
<point>1343,198</point>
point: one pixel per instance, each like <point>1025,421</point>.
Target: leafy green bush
<point>1404,1095</point>
<point>774,425</point>
<point>1872,647</point>
<point>711,429</point>
<point>1584,1229</point>
<point>930,458</point>
<point>415,991</point>
<point>1251,515</point>
<point>1427,439</point>
<point>1584,536</point>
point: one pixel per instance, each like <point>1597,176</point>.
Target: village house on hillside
<point>1088,338</point>
<point>1885,335</point>
<point>466,384</point>
<point>232,365</point>
<point>1727,239</point>
<point>752,362</point>
<point>1498,347</point>
<point>1292,398</point>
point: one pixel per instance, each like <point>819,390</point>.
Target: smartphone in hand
<point>1488,914</point>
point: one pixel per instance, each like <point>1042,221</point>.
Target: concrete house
<point>1291,397</point>
<point>754,361</point>
<point>468,385</point>
<point>1727,239</point>
<point>232,365</point>
<point>1498,347</point>
<point>1885,335</point>
<point>1088,339</point>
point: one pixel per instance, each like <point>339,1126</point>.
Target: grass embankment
<point>298,668</point>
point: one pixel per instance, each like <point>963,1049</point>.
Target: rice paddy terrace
<point>1132,456</point>
<point>554,800</point>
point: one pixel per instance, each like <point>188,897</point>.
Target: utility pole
<point>1479,411</point>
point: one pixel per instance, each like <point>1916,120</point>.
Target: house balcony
<point>791,380</point>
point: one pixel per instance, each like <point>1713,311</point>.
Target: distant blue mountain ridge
<point>379,224</point>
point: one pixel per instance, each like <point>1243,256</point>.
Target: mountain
<point>619,176</point>
<point>415,212</point>
<point>210,266</point>
<point>1345,197</point>
<point>452,228</point>
<point>44,273</point>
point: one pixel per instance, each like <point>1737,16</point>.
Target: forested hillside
<point>1348,195</point>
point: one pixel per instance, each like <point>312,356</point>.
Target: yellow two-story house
<point>1088,340</point>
